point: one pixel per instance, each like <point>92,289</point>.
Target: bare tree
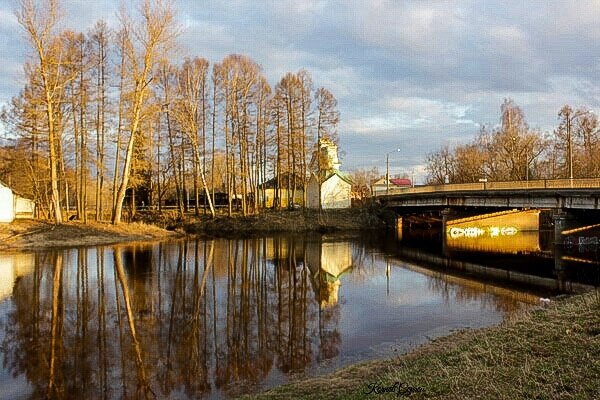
<point>362,179</point>
<point>39,22</point>
<point>440,166</point>
<point>504,153</point>
<point>588,141</point>
<point>99,37</point>
<point>154,37</point>
<point>167,81</point>
<point>190,112</point>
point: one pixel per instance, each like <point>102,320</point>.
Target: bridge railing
<point>584,183</point>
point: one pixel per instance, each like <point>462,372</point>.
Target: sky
<point>408,75</point>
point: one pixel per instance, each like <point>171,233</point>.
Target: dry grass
<point>551,353</point>
<point>287,221</point>
<point>31,235</point>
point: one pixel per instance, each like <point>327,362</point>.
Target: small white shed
<point>13,206</point>
<point>24,208</point>
<point>7,204</point>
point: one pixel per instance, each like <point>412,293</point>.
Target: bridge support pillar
<point>560,270</point>
<point>447,215</point>
<point>561,220</point>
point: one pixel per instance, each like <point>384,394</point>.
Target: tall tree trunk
<point>158,171</point>
<point>83,141</point>
<point>128,156</point>
<point>100,109</point>
<point>228,171</point>
<point>174,165</point>
<point>158,19</point>
<point>184,190</point>
<point>39,29</point>
<point>119,130</point>
<point>214,135</point>
<point>204,185</point>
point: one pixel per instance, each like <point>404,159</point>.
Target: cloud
<point>414,73</point>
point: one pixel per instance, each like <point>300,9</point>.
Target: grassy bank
<point>287,221</point>
<point>543,353</point>
<point>31,235</point>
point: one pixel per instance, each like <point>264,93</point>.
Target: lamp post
<point>527,161</point>
<point>514,175</point>
<point>387,171</point>
<point>570,147</point>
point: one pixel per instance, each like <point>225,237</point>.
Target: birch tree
<point>99,37</point>
<point>190,112</point>
<point>39,20</point>
<point>151,38</point>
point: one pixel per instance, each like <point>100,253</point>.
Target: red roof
<point>401,182</point>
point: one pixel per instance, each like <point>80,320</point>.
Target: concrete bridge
<point>559,194</point>
<point>572,202</point>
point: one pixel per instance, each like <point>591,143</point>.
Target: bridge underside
<point>540,199</point>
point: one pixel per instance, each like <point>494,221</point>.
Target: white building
<point>335,190</point>
<point>328,186</point>
<point>14,206</point>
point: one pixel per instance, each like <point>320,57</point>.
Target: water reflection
<point>328,261</point>
<point>219,317</point>
<point>517,242</point>
<point>13,267</point>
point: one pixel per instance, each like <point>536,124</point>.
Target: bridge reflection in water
<point>224,317</point>
<point>517,242</point>
<point>509,231</point>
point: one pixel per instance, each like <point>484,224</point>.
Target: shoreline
<point>30,235</point>
<point>288,221</point>
<point>549,352</point>
<point>26,235</point>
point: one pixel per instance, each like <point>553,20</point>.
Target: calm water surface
<point>219,318</point>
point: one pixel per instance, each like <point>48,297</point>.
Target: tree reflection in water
<point>191,317</point>
<point>186,318</point>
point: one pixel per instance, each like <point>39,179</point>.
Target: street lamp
<point>514,175</point>
<point>387,171</point>
<point>528,161</point>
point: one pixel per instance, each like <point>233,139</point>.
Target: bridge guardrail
<point>581,183</point>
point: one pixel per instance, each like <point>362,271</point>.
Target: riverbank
<point>292,221</point>
<point>33,235</point>
<point>544,353</point>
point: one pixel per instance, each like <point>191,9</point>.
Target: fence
<point>587,183</point>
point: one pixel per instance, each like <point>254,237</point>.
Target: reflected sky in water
<point>219,318</point>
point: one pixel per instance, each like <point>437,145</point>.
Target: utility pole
<point>387,171</point>
<point>570,146</point>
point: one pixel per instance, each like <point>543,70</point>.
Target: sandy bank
<point>32,235</point>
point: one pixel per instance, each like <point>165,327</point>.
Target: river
<point>219,318</point>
